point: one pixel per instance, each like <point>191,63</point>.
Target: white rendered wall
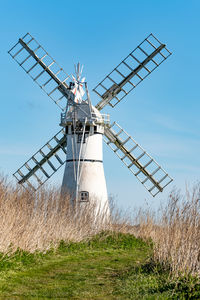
<point>91,171</point>
<point>91,149</point>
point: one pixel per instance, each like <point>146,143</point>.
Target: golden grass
<point>42,220</point>
<point>175,232</point>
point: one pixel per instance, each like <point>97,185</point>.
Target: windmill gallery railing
<point>99,119</point>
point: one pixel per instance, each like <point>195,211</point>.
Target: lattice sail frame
<point>142,165</point>
<point>42,68</point>
<point>141,62</point>
<point>43,164</point>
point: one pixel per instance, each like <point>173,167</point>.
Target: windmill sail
<point>141,62</point>
<point>42,68</point>
<point>64,91</point>
<point>141,164</point>
<point>44,163</point>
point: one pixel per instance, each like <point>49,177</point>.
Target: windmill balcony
<point>101,119</point>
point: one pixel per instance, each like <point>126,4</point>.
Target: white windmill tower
<point>84,126</point>
<point>79,145</point>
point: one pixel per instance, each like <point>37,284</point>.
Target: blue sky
<point>162,113</point>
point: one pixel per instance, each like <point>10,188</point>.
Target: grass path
<point>107,267</point>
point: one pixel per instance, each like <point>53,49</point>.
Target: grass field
<point>50,251</point>
<point>109,266</point>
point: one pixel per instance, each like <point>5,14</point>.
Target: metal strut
<point>142,61</point>
<point>141,164</point>
<point>43,69</point>
<point>40,167</point>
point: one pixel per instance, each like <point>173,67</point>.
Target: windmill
<point>78,144</point>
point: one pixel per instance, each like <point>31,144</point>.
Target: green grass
<point>109,266</point>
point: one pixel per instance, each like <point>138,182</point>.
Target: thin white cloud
<point>175,125</point>
<point>14,150</point>
<point>171,146</point>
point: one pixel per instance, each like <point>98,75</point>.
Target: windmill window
<point>79,127</point>
<point>84,196</point>
<point>87,128</point>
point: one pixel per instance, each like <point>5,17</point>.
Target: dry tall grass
<point>41,221</point>
<point>175,231</point>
